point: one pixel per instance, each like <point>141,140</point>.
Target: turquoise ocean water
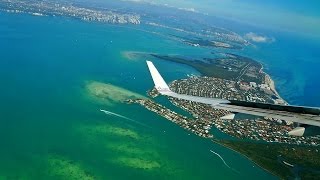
<point>49,128</point>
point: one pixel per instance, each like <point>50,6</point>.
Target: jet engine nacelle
<point>305,130</point>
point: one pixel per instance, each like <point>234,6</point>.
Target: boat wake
<point>224,162</point>
<point>123,117</point>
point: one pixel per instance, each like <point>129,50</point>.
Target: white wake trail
<point>123,117</point>
<point>115,114</point>
<point>224,162</point>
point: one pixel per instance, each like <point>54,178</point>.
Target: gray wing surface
<point>299,114</point>
<point>164,89</point>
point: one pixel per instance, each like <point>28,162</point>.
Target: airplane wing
<point>164,89</point>
<point>298,114</point>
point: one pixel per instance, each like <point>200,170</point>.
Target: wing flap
<point>283,115</point>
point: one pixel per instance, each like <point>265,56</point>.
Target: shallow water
<point>51,128</point>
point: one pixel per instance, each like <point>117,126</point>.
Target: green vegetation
<point>62,168</point>
<point>232,67</point>
<point>132,149</point>
<point>266,156</point>
<point>129,149</point>
<point>134,55</point>
<point>197,41</point>
<point>137,163</point>
<point>108,130</point>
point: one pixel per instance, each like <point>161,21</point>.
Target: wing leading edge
<point>299,114</point>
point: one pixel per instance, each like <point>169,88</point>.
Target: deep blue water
<point>293,62</point>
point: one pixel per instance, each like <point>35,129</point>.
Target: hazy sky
<point>301,16</point>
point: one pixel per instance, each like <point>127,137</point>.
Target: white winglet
<point>159,82</point>
<point>164,89</point>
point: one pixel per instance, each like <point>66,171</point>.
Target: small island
<point>201,42</point>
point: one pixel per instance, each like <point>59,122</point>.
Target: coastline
<point>270,82</point>
<point>251,160</point>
